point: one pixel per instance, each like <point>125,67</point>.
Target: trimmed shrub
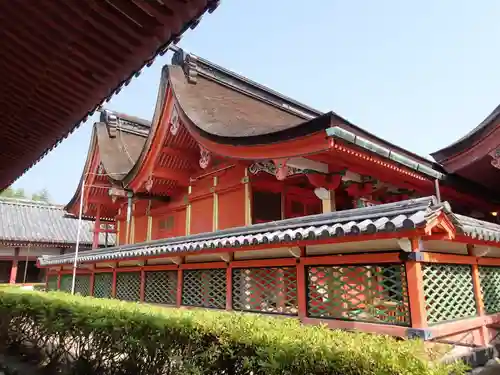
<point>81,335</point>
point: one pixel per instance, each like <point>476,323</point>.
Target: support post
<point>13,269</point>
<point>179,288</point>
<point>92,282</point>
<point>97,228</point>
<point>415,286</point>
<point>478,296</point>
<point>248,199</point>
<point>113,283</point>
<point>229,283</point>
<point>59,279</point>
<point>142,291</point>
<point>301,285</point>
<point>328,204</point>
<point>215,209</point>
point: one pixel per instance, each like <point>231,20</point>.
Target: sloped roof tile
<point>392,217</point>
<point>34,222</point>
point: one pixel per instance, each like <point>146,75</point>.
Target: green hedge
<point>76,335</point>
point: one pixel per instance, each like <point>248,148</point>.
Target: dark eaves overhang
<point>61,62</point>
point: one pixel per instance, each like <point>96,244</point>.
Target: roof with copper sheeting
<point>61,61</point>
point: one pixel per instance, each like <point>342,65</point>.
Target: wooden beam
<point>105,200</point>
<point>182,152</point>
<point>180,176</point>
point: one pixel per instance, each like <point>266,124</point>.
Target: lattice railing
<point>103,284</point>
<point>269,290</point>
<point>66,282</point>
<point>370,293</point>
<point>128,286</point>
<point>52,282</point>
<point>161,287</point>
<point>490,288</point>
<point>204,288</point>
<point>82,285</point>
<point>449,292</point>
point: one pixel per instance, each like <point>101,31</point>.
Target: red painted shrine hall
<point>236,197</point>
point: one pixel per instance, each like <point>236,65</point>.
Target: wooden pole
<point>415,286</point>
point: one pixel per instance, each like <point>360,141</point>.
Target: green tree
<point>8,193</point>
<point>42,196</point>
<point>19,193</point>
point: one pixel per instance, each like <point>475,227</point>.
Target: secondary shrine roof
<point>26,222</point>
<point>385,218</point>
<point>116,143</point>
<point>476,156</point>
<point>62,60</point>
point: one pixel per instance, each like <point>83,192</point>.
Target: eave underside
<point>61,61</point>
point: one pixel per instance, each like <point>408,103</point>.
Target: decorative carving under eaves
<point>205,157</point>
<point>148,185</point>
<point>495,162</point>
<point>100,170</point>
<point>174,121</point>
<point>270,167</point>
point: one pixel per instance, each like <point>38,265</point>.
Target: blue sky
<point>418,73</point>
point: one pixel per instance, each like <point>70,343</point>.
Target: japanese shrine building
<point>236,197</point>
<point>31,229</point>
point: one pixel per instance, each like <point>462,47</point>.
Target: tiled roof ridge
<point>30,202</point>
<point>390,217</point>
<point>194,65</point>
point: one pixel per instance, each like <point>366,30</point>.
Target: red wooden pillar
<point>59,279</point>
<point>92,281</point>
<point>13,270</point>
<point>113,283</point>
<point>415,286</point>
<point>229,288</point>
<point>179,288</point>
<point>301,285</point>
<point>46,279</point>
<point>478,296</point>
<point>97,228</point>
<point>143,285</point>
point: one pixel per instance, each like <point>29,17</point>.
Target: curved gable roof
<point>480,132</point>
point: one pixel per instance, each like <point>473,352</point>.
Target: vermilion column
<point>142,285</point>
<point>179,288</point>
<point>113,283</point>
<point>13,270</point>
<point>478,296</point>
<point>97,228</point>
<point>301,286</point>
<point>415,286</point>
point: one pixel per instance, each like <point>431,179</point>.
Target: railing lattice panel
<point>370,293</point>
<point>161,287</point>
<point>52,283</point>
<point>490,288</point>
<point>103,284</point>
<point>204,288</point>
<point>449,292</point>
<point>66,281</point>
<point>128,286</point>
<point>82,285</point>
<point>269,290</point>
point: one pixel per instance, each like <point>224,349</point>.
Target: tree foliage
<point>82,335</point>
<point>40,196</point>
